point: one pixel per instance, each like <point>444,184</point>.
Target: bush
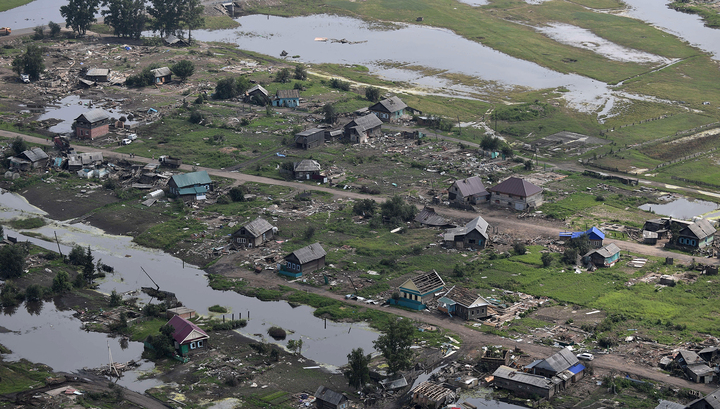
<point>218,308</point>
<point>546,259</point>
<point>54,29</point>
<point>236,194</point>
<point>300,73</point>
<point>225,326</point>
<point>224,200</point>
<point>396,210</point>
<point>570,256</point>
<point>339,84</point>
<point>144,78</point>
<point>309,232</point>
<point>226,88</point>
<point>365,207</point>
<point>519,248</point>
<point>283,76</point>
<point>599,198</point>
<point>372,94</point>
<point>277,333</point>
<point>196,117</point>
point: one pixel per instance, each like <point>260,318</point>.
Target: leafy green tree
<point>167,16</point>
<point>183,69</point>
<point>242,84</point>
<point>115,299</point>
<point>226,88</point>
<point>283,76</point>
<point>330,113</point>
<point>77,255</point>
<point>519,248</point>
<point>18,145</point>
<point>546,259</point>
<point>54,29</point>
<point>237,194</point>
<point>581,243</point>
<point>126,17</point>
<point>300,72</point>
<point>144,78</point>
<point>365,207</point>
<point>162,342</point>
<point>397,211</point>
<point>79,14</point>
<point>33,292</point>
<point>358,373</point>
<point>10,295</point>
<point>529,164</point>
<point>394,344</point>
<point>30,62</point>
<point>507,151</point>
<point>89,267</point>
<point>489,143</point>
<point>372,94</point>
<point>570,256</point>
<point>12,261</point>
<point>39,32</point>
<point>192,16</point>
<point>61,282</point>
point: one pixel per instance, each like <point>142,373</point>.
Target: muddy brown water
<point>53,337</point>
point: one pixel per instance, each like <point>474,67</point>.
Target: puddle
<point>71,107</point>
<point>475,2</point>
<point>582,38</point>
<point>682,208</point>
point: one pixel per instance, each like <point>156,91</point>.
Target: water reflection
<point>34,307</point>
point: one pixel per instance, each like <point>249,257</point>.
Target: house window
<point>199,344</point>
<point>242,240</point>
<point>193,345</point>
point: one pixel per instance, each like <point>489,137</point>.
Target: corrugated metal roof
<point>161,72</point>
<point>309,253</point>
<point>465,297</point>
<point>516,187</point>
<point>310,132</point>
<point>701,229</point>
<point>307,165</point>
<point>258,226</point>
<point>35,154</point>
<point>477,223</point>
<point>287,93</point>
<point>328,395</point>
<point>257,88</point>
<point>190,179</point>
<point>97,72</point>
<point>428,281</point>
<point>558,362</point>
<point>712,400</point>
<point>428,217</point>
<point>366,122</point>
<point>183,328</point>
<point>95,115</point>
<point>392,104</point>
<point>666,404</point>
<point>470,186</point>
<point>505,372</point>
<point>606,251</point>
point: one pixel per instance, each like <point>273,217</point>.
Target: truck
<point>62,143</point>
<point>5,31</point>
<point>170,161</point>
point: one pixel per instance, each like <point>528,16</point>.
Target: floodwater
<point>474,2</point>
<point>52,331</point>
<point>682,208</point>
<point>71,107</point>
<point>584,38</point>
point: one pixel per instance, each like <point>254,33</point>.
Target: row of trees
<point>394,210</point>
<point>182,69</point>
<point>128,17</point>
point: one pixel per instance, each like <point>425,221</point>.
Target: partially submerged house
<point>186,335</point>
<point>468,191</point>
<point>360,129</point>
<point>98,74</point>
<point>183,312</point>
<point>310,138</point>
<point>389,109</point>
<point>416,292</point>
<point>307,169</point>
<point>326,398</point>
<point>161,75</point>
<point>605,256</point>
<point>697,235</point>
<point>464,303</point>
<point>92,124</point>
<point>255,233</point>
<point>428,217</point>
<point>525,384</point>
<point>191,186</point>
<point>594,235</point>
<point>563,363</point>
<point>432,395</point>
<point>288,98</point>
<point>304,260</point>
<point>517,194</point>
<point>29,159</point>
<point>471,236</point>
<point>257,95</point>
<point>695,368</point>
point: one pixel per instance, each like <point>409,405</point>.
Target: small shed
<point>304,260</point>
<point>162,75</point>
<point>326,398</point>
<point>307,169</point>
<point>289,98</point>
<point>255,233</point>
<point>310,138</point>
<point>187,336</point>
<point>182,312</point>
<point>605,256</point>
<point>98,74</point>
<point>92,124</point>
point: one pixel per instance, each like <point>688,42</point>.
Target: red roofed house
<point>516,193</point>
<point>187,336</point>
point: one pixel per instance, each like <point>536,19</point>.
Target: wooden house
<point>389,109</point>
<point>92,124</point>
<point>98,74</point>
<point>257,95</point>
<point>310,138</point>
<point>428,217</point>
<point>605,256</point>
<point>468,191</point>
<point>710,401</point>
<point>29,159</point>
<point>432,395</point>
<point>360,129</point>
<point>191,186</point>
<point>288,98</point>
<point>187,336</point>
<point>695,368</point>
<point>517,194</point>
<point>307,169</point>
<point>594,235</point>
<point>416,292</point>
<point>326,398</point>
<point>463,303</point>
<point>304,260</point>
<point>697,235</point>
<point>525,384</point>
<point>255,233</point>
<point>161,75</point>
<point>471,236</point>
<point>562,361</point>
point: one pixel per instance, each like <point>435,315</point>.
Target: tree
<point>192,16</point>
<point>39,32</point>
<point>581,243</point>
<point>89,268</point>
<point>226,88</point>
<point>394,344</point>
<point>365,207</point>
<point>237,194</point>
<point>507,151</point>
<point>358,373</point>
<point>2,232</point>
<point>77,255</point>
<point>115,299</point>
<point>54,29</point>
<point>61,282</point>
<point>283,76</point>
<point>18,145</point>
<point>546,259</point>
<point>33,292</point>
<point>397,211</point>
<point>570,256</point>
<point>79,14</point>
<point>166,16</point>
<point>30,63</point>
<point>372,94</point>
<point>126,17</point>
<point>183,69</point>
<point>519,248</point>
<point>300,72</point>
<point>144,78</point>
<point>489,143</point>
<point>162,342</point>
<point>242,84</point>
<point>529,164</point>
<point>12,261</point>
<point>330,113</point>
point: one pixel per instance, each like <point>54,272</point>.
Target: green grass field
<point>11,4</point>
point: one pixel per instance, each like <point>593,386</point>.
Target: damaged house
<point>605,256</point>
<point>428,217</point>
<point>525,384</point>
<point>255,233</point>
<point>360,129</point>
<point>468,191</point>
<point>161,75</point>
<point>695,368</point>
<point>326,398</point>
<point>304,260</point>
<point>464,303</point>
<point>471,236</point>
<point>389,109</point>
<point>517,194</point>
<point>697,235</point>
<point>416,292</point>
<point>191,186</point>
<point>563,364</point>
<point>257,95</point>
<point>307,169</point>
<point>87,160</point>
<point>98,74</point>
<point>431,395</point>
<point>92,124</point>
<point>310,138</point>
<point>30,159</point>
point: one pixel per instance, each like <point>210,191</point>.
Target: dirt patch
<point>66,204</point>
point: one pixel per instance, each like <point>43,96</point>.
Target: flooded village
<point>232,220</point>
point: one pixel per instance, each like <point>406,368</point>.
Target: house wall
<point>293,265</point>
<point>286,102</point>
<point>387,117</point>
<point>524,389</point>
<point>91,131</point>
<point>474,240</point>
<point>596,243</point>
<point>311,141</point>
<point>693,241</point>
<point>601,261</point>
<point>321,404</point>
<point>245,239</point>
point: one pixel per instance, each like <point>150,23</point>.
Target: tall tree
<point>89,268</point>
<point>12,261</point>
<point>30,63</point>
<point>358,373</point>
<point>18,145</point>
<point>167,16</point>
<point>192,16</point>
<point>372,94</point>
<point>79,14</point>
<point>183,69</point>
<point>394,344</point>
<point>126,17</point>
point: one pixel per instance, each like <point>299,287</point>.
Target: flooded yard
<point>682,208</point>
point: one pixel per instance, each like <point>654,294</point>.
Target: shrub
<point>223,200</point>
<point>218,308</point>
<point>519,248</point>
<point>570,256</point>
<point>277,333</point>
<point>196,117</point>
<point>236,194</point>
<point>546,259</point>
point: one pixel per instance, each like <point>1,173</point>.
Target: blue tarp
<point>577,368</point>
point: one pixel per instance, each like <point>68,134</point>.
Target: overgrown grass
<point>29,223</point>
<point>21,375</point>
<point>219,23</point>
<point>11,4</point>
<point>140,331</point>
<point>166,235</point>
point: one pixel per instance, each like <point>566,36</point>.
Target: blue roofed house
<point>191,186</point>
<point>605,256</point>
<point>389,109</point>
<point>416,292</point>
<point>289,98</point>
<point>595,235</point>
<point>563,364</point>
